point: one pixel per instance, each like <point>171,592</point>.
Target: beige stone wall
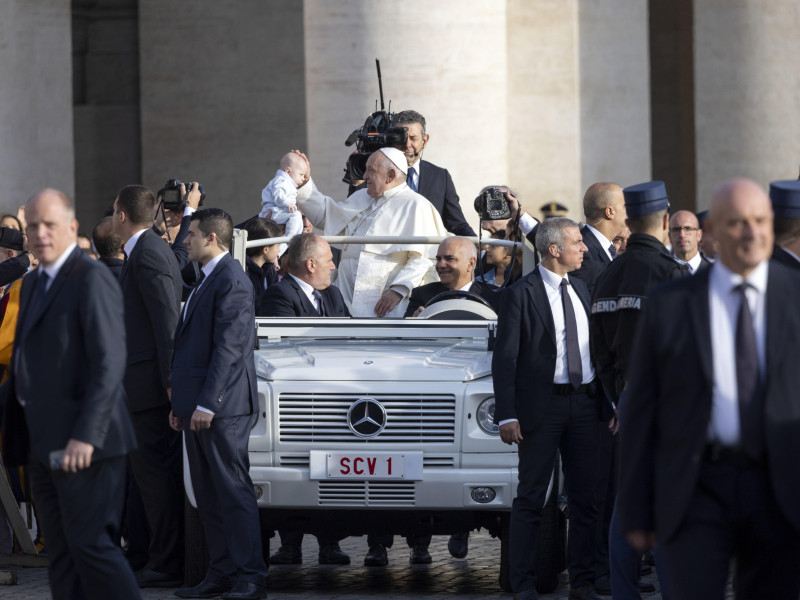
<point>222,94</point>
<point>445,59</point>
<point>747,91</point>
<point>35,99</point>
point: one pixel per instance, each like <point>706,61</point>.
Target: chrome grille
<point>410,418</point>
<point>366,493</point>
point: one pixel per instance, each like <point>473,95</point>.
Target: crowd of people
<point>624,351</point>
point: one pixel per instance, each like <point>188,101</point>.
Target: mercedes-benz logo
<point>366,417</point>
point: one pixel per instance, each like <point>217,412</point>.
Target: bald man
<point>604,210</point>
<point>710,434</point>
<point>386,207</point>
<point>685,235</point>
<point>456,258</point>
<point>65,409</point>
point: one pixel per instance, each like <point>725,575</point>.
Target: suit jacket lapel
<point>541,305</point>
<point>304,301</point>
<point>591,241</point>
<point>200,291</point>
<point>700,319</point>
<point>41,307</point>
<point>137,247</point>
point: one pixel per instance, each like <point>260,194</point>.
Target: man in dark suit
<point>151,290</point>
<point>426,178</point>
<point>546,400</point>
<point>65,413</point>
<point>708,421</point>
<point>785,197</point>
<point>456,258</point>
<point>109,246</point>
<point>215,403</point>
<point>604,209</point>
<point>306,291</point>
<point>685,236</point>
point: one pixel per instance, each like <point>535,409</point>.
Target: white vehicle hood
<point>374,360</point>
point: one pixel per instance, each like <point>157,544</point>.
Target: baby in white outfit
<point>280,194</point>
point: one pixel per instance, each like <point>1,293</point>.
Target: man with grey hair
<point>387,272</point>
<point>546,400</point>
<point>426,178</point>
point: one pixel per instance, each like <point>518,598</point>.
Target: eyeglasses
<point>682,229</point>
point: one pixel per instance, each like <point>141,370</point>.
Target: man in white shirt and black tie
<point>685,235</point>
<point>709,425</point>
<point>546,400</point>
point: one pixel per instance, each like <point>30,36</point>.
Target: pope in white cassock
<point>376,279</point>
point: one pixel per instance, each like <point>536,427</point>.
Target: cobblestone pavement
<point>447,578</point>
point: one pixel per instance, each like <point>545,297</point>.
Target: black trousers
<point>80,514</point>
<point>157,467</point>
<point>571,425</point>
<point>605,494</point>
<point>733,514</point>
<point>220,471</point>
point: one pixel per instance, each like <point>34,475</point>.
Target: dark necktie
<point>320,303</point>
<point>612,251</point>
<point>410,179</point>
<point>747,377</point>
<point>574,367</point>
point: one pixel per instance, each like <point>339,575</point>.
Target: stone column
<point>222,95</point>
<point>35,100</point>
<point>747,91</point>
<point>444,59</point>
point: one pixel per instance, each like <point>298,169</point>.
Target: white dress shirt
<point>724,426</point>
<point>308,290</point>
<point>693,263</point>
<point>55,267</point>
<point>605,243</point>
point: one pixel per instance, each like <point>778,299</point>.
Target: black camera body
<point>492,205</point>
<point>171,195</point>
<point>376,133</point>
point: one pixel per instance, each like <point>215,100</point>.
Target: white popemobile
<point>385,426</point>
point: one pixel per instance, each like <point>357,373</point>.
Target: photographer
<point>177,213</point>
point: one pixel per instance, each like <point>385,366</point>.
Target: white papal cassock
<point>366,271</point>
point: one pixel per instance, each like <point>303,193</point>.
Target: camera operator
<point>432,182</point>
<point>177,225</point>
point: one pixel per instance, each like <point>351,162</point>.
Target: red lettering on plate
<point>356,470</point>
<point>345,462</point>
<point>371,465</point>
<point>389,462</point>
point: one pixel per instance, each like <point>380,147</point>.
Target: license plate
<point>366,465</point>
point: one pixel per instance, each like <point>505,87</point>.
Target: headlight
<point>485,417</point>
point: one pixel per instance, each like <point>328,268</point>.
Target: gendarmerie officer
<point>785,197</point>
<point>620,295</point>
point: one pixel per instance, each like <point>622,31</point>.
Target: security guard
<point>785,197</point>
<point>619,296</point>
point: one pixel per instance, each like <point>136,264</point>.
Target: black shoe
<point>246,590</point>
<point>147,578</point>
<point>584,593</point>
<point>287,555</point>
<point>458,546</point>
<point>419,555</point>
<point>376,557</point>
<point>602,585</point>
<point>646,588</point>
<point>204,589</point>
<point>648,558</point>
<point>526,595</point>
<point>333,555</point>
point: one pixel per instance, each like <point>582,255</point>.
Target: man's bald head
<point>52,227</point>
<point>741,221</point>
<point>455,262</point>
<point>604,208</point>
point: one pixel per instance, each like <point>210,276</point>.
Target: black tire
<point>505,566</point>
<point>549,544</point>
<point>196,549</point>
